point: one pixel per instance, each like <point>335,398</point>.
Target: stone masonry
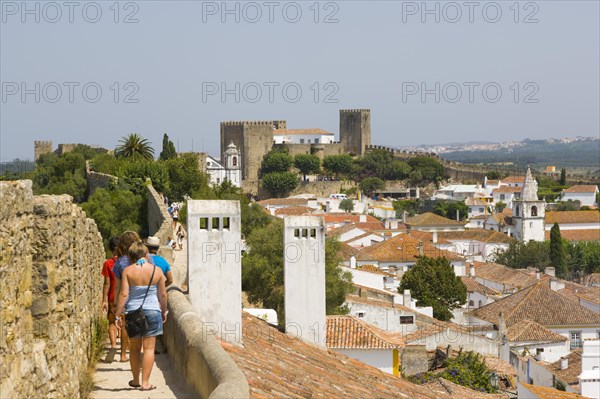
<point>50,261</point>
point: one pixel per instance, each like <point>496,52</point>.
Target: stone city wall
<point>51,256</point>
<point>160,223</point>
<point>97,180</point>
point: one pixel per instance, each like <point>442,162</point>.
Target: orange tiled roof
<point>581,188</point>
<point>294,210</point>
<point>338,231</point>
<point>493,182</point>
<point>551,393</point>
<point>301,131</point>
<point>566,217</point>
<point>514,179</point>
<point>277,365</point>
<point>570,375</point>
<point>473,286</point>
<point>347,332</point>
<point>360,237</point>
<point>346,252</point>
<point>477,201</point>
<point>507,189</point>
<point>503,275</point>
<point>577,235</point>
<point>348,218</point>
<point>431,219</point>
<point>528,330</point>
<point>404,248</point>
<point>374,269</point>
<point>533,303</point>
<point>477,235</point>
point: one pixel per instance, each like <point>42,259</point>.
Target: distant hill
<point>577,153</point>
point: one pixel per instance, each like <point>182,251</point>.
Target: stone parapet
<point>51,255</point>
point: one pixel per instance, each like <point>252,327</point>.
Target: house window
<point>316,141</point>
<point>480,303</point>
<point>308,141</point>
<point>539,351</point>
<point>226,223</point>
<point>471,303</point>
<point>203,223</point>
<point>234,161</point>
<point>406,319</point>
<point>575,339</point>
<point>502,197</point>
<point>518,211</point>
<point>534,211</point>
<point>361,314</point>
<point>301,141</point>
<point>481,210</point>
<point>215,223</point>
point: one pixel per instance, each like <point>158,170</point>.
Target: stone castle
<point>45,147</point>
<point>255,138</point>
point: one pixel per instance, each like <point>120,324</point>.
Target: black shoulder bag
<point>135,322</point>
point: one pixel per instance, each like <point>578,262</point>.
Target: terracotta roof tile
<point>284,201</point>
<point>581,188</point>
<point>473,286</point>
<point>348,218</point>
<point>507,189</point>
<point>577,235</point>
<point>347,332</point>
<point>477,235</point>
<point>374,269</point>
<point>532,303</point>
<point>294,210</point>
<point>477,201</point>
<point>277,365</point>
<point>566,217</point>
<point>404,248</point>
<point>513,179</point>
<point>360,237</point>
<point>346,252</point>
<point>528,330</point>
<point>431,219</point>
<point>551,393</point>
<point>571,373</point>
<point>501,274</point>
<point>458,391</point>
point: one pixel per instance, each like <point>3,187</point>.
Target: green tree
<point>276,161</point>
<point>558,254</point>
<point>432,282</point>
<point>347,205</point>
<point>521,255</point>
<point>411,207</point>
<point>563,177</point>
<point>115,211</point>
<point>63,174</point>
<point>262,271</point>
<point>307,164</point>
<point>168,149</point>
<point>134,146</point>
<point>371,184</point>
<point>448,209</point>
<point>500,206</point>
<point>184,176</point>
<point>431,169</point>
<point>279,183</point>
<point>337,164</point>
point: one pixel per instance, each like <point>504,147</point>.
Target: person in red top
<point>108,297</point>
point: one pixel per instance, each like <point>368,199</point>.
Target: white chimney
<point>472,270</point>
<point>362,218</point>
<point>550,271</point>
<point>590,369</point>
<point>406,298</point>
<point>564,363</point>
<point>393,224</point>
<point>457,216</point>
<point>556,285</point>
<point>537,275</point>
<point>434,237</point>
<point>327,206</point>
<point>403,216</point>
<point>353,262</point>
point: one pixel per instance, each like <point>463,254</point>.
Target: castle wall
<point>41,148</point>
<point>258,141</point>
<point>51,257</point>
<point>97,180</point>
<point>355,130</point>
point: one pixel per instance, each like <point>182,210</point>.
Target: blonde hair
<point>137,251</point>
<point>125,241</point>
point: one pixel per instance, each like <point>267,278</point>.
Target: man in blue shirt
<point>153,243</point>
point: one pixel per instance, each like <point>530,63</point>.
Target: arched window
<point>518,210</point>
<point>534,211</point>
<point>234,161</point>
<point>480,303</point>
<point>471,303</point>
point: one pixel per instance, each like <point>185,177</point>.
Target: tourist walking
<point>153,244</point>
<point>108,297</point>
<point>142,287</point>
<point>180,237</point>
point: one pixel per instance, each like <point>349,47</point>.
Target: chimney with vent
<point>564,363</point>
<point>406,298</point>
<point>472,270</point>
<point>550,271</point>
<point>362,218</point>
<point>353,262</point>
<point>403,216</point>
<point>434,237</point>
<point>304,278</point>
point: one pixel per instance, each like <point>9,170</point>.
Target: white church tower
<point>233,169</point>
<point>528,212</point>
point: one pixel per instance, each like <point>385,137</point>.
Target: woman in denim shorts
<point>134,286</point>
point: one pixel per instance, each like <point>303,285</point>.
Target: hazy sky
<point>166,69</point>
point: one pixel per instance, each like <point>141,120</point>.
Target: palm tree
<point>134,145</point>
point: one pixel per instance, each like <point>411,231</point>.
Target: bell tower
<point>233,168</point>
<point>529,212</point>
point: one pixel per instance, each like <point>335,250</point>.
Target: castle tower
<point>233,169</point>
<point>41,148</point>
<point>528,212</point>
<point>215,265</point>
<point>253,140</point>
<point>355,130</point>
<point>304,278</point>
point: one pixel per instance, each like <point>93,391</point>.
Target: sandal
<point>148,389</point>
<point>131,384</point>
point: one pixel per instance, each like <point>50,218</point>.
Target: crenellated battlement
<point>254,123</point>
<point>43,142</point>
<point>348,111</point>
